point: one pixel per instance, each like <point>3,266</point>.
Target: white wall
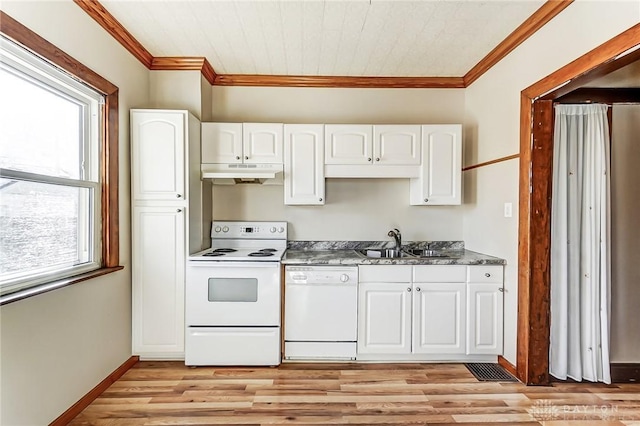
<point>57,346</point>
<point>176,90</point>
<point>356,209</point>
<point>492,106</point>
<point>625,234</point>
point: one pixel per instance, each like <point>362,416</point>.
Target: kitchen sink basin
<point>387,253</point>
<point>428,253</point>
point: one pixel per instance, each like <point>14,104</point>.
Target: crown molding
<point>189,63</point>
<point>540,17</point>
<point>107,21</point>
<point>338,81</point>
<point>544,14</point>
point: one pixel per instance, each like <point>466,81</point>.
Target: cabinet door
<point>485,318</point>
<point>440,182</point>
<point>439,318</point>
<point>158,281</point>
<point>262,143</point>
<point>396,145</point>
<point>158,155</point>
<point>348,144</point>
<point>222,143</point>
<point>304,164</point>
<point>384,318</point>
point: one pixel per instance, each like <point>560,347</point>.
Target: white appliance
<point>232,300</point>
<point>321,306</point>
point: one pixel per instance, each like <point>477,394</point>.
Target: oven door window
<point>233,290</point>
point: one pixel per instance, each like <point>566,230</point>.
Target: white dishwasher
<point>321,313</point>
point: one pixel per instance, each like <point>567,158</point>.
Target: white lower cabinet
<point>485,307</point>
<point>430,312</point>
<point>439,318</point>
<point>384,318</point>
<point>158,281</point>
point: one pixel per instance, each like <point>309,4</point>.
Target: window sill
<point>54,285</point>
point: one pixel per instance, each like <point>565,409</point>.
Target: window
<point>49,183</point>
<point>58,167</point>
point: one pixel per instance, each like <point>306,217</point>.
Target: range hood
<point>231,174</point>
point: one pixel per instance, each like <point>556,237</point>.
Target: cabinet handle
<point>237,157</point>
<point>178,196</point>
<point>409,289</point>
<point>501,289</point>
<point>246,157</point>
<point>417,288</point>
<point>178,210</point>
<point>487,275</point>
<point>369,159</point>
<point>377,159</point>
<point>426,200</point>
<point>319,199</point>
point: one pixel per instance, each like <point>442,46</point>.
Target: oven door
<point>232,294</point>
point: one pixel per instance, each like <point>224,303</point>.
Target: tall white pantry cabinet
<point>167,225</point>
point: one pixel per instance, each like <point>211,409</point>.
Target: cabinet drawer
<point>385,273</point>
<point>439,273</point>
<point>485,274</point>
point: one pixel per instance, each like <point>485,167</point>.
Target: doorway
<point>536,152</point>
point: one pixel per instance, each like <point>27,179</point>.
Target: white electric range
<point>232,301</point>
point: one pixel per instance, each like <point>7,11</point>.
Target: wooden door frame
<point>534,228</point>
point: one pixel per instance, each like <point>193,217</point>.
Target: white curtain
<point>580,244</point>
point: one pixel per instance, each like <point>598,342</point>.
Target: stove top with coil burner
<point>245,241</point>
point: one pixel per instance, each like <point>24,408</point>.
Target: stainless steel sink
<point>428,253</point>
<point>379,253</point>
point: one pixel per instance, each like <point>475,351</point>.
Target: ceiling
<point>428,38</point>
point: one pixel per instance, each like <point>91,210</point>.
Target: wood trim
<point>94,393</point>
<point>487,163</point>
<point>109,168</point>
<point>533,234</point>
<point>54,285</point>
<point>544,14</point>
<point>606,95</point>
<point>625,372</point>
<point>507,366</point>
<point>107,21</point>
<point>537,363</point>
<point>180,63</point>
<point>338,81</point>
<point>587,63</point>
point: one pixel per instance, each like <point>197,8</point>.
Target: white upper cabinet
<point>262,143</point>
<point>440,180</point>
<point>396,144</point>
<point>304,164</point>
<point>235,143</point>
<point>222,143</point>
<point>348,144</point>
<point>158,155</point>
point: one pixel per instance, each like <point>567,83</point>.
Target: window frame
<point>108,170</point>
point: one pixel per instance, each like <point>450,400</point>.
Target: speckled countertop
<point>345,253</point>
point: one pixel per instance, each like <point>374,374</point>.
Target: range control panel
<point>249,230</point>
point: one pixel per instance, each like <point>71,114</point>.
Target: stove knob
<point>218,229</point>
<point>281,230</point>
<point>225,229</point>
<point>344,278</point>
<point>273,229</point>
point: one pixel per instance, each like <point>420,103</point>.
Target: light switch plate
<point>508,209</point>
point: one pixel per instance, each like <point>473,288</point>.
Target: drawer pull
<point>409,289</point>
<point>417,288</point>
<point>487,275</point>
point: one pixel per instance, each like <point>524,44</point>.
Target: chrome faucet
<point>395,233</point>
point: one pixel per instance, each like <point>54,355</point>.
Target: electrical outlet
<point>508,209</point>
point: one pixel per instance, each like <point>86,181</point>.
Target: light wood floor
<point>168,393</point>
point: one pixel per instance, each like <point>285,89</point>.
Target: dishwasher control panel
<point>321,275</point>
